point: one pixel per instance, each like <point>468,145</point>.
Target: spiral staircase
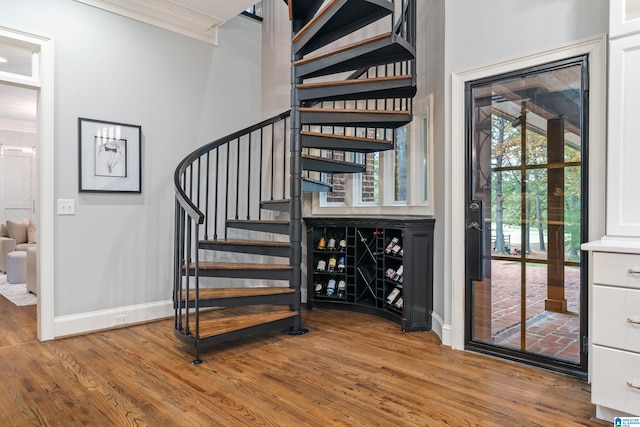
<point>238,211</point>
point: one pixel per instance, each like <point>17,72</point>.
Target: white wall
<point>276,57</point>
<point>116,251</point>
<point>430,70</point>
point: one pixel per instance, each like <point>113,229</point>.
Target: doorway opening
<point>28,63</point>
<point>526,215</point>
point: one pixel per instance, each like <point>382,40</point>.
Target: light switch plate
<point>66,206</point>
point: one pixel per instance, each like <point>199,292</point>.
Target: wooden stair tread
<point>303,10</point>
<point>345,137</point>
<point>353,82</point>
<point>343,49</point>
<point>276,201</point>
<point>313,21</point>
<point>220,293</point>
<point>258,221</point>
<point>209,265</point>
<point>266,243</point>
<point>328,159</point>
<point>313,185</point>
<point>226,323</point>
<point>351,111</point>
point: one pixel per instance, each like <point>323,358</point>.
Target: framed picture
<point>109,157</point>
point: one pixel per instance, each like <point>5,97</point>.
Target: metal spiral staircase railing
<point>238,209</point>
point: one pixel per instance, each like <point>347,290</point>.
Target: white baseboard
<point>442,330</point>
<point>112,318</point>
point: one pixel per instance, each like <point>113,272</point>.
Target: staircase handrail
<point>185,201</point>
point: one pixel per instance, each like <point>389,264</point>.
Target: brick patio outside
<point>547,333</point>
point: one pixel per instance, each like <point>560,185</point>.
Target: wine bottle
<point>331,244</point>
<point>317,290</point>
<point>399,303</point>
<point>390,273</point>
<point>341,265</point>
<point>322,243</point>
<point>332,264</point>
<point>398,274</point>
<point>322,265</point>
<point>393,295</point>
<point>342,287</point>
<point>331,287</point>
<point>342,245</point>
<point>396,249</point>
<point>391,245</point>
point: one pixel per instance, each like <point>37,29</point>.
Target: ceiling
<point>198,19</point>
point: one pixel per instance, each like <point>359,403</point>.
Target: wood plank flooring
<point>350,369</point>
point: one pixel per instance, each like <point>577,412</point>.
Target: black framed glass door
<point>526,216</point>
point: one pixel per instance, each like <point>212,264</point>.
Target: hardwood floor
<point>351,369</point>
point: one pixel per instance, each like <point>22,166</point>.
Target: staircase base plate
<point>301,331</point>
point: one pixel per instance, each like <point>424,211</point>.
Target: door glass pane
<point>525,166</point>
<point>506,211</point>
<point>370,179</point>
<point>573,203</point>
<point>17,57</point>
<point>536,214</point>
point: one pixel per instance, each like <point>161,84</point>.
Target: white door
<point>16,191</point>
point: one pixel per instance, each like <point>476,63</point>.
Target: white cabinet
<point>615,329</point>
<point>614,292</point>
<point>616,318</point>
<point>616,382</point>
<point>624,17</point>
<point>623,150</point>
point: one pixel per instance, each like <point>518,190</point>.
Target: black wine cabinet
<point>386,267</point>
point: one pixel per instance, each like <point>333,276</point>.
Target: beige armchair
<point>27,238</point>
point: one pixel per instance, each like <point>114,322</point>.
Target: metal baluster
<point>260,176</point>
<point>237,176</point>
<point>206,203</point>
<point>217,179</point>
<point>249,179</point>
<point>284,161</point>
<point>226,193</point>
<point>273,137</point>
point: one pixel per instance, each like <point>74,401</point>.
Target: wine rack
<point>388,267</point>
<point>332,264</point>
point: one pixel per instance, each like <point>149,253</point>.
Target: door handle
<point>474,226</point>
<point>475,240</point>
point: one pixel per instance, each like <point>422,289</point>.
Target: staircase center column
<point>295,207</point>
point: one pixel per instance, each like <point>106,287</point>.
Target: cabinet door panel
<point>624,17</point>
<point>615,375</point>
<point>623,203</point>
<point>616,269</point>
<point>614,317</point>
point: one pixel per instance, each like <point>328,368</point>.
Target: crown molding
<point>165,14</point>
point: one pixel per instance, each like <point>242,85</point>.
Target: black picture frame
<point>109,157</point>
